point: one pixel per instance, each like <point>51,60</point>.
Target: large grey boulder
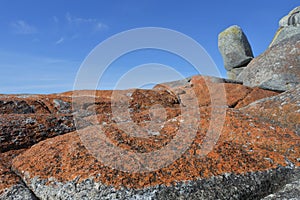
<point>288,26</point>
<point>278,68</point>
<point>235,50</point>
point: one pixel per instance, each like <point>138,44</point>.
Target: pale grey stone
<point>234,47</point>
<point>293,18</point>
<point>290,191</point>
<point>233,74</point>
<point>285,33</point>
<point>228,186</point>
<point>17,192</point>
<point>278,68</point>
<point>289,26</point>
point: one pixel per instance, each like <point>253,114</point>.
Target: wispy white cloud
<point>36,40</point>
<point>59,41</point>
<point>96,24</point>
<point>38,87</point>
<point>100,26</point>
<point>22,27</point>
<point>22,73</point>
<point>75,36</point>
<point>55,19</point>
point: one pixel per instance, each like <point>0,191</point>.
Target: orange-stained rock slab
<point>282,110</point>
<point>205,89</point>
<point>245,145</point>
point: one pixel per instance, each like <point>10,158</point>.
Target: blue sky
<point>43,43</point>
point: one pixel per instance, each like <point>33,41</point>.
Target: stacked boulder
<point>235,49</point>
<point>278,68</point>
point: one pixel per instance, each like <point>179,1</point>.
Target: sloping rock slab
<point>283,109</point>
<point>250,160</point>
<point>206,88</point>
<point>278,68</point>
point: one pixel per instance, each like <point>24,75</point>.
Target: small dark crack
<point>33,196</point>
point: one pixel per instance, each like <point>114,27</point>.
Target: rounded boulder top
<point>289,26</point>
<point>292,19</point>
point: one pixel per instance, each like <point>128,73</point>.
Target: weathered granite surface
<point>278,68</point>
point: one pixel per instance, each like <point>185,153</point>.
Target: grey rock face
<point>288,27</point>
<point>285,33</point>
<point>292,19</point>
<point>254,185</point>
<point>278,68</point>
<point>233,74</point>
<point>18,192</point>
<point>62,106</point>
<point>234,48</point>
<point>290,191</point>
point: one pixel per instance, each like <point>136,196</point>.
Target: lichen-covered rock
<point>288,27</point>
<point>278,68</point>
<point>11,185</point>
<point>284,33</point>
<point>205,88</point>
<point>283,109</point>
<point>62,167</point>
<point>22,131</point>
<point>250,158</point>
<point>234,47</point>
<point>28,120</point>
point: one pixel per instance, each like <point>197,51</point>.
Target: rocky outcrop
<point>288,27</point>
<point>252,158</point>
<point>278,68</point>
<point>197,138</point>
<point>25,124</point>
<point>235,49</point>
<point>62,167</point>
